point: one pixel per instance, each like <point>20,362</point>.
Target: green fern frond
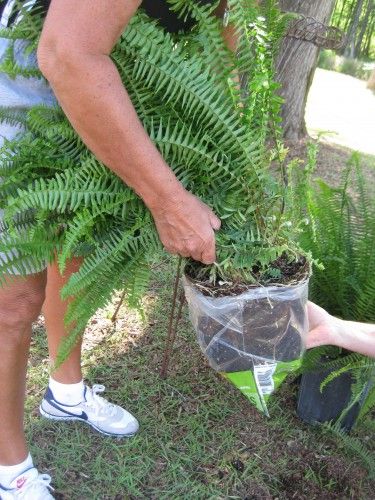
<point>361,364</point>
<point>132,276</point>
<point>369,403</point>
<point>341,234</point>
<point>212,51</point>
<point>13,117</point>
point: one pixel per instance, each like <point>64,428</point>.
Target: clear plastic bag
<point>254,339</point>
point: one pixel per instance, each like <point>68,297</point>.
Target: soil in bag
<point>268,332</point>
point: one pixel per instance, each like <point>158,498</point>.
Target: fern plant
<point>59,198</point>
<point>340,233</point>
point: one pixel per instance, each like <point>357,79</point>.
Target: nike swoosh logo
<point>72,412</point>
<point>21,482</point>
<point>80,415</point>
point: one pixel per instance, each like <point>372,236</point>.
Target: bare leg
<point>20,304</point>
<point>54,309</point>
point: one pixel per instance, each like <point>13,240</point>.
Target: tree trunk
<point>369,34</point>
<point>364,24</point>
<point>349,15</point>
<point>352,34</point>
<point>295,66</point>
<point>340,15</point>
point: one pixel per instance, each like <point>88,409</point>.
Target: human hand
<point>186,227</point>
<point>324,329</point>
<point>351,335</point>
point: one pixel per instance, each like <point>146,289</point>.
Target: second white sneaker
<point>30,485</point>
<point>105,417</point>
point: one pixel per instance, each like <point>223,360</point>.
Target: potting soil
<point>254,339</point>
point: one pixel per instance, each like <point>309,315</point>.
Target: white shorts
<point>20,94</point>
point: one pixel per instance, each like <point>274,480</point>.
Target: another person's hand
<point>328,330</point>
<point>324,328</point>
<point>187,227</point>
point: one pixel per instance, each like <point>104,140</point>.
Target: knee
<point>21,303</point>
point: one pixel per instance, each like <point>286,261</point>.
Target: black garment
<point>157,9</point>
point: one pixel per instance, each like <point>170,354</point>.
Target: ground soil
<point>291,273</point>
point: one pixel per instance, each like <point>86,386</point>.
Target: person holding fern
<point>73,55</point>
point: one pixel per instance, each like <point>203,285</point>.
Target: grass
<point>199,437</point>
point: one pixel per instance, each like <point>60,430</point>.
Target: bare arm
<point>326,329</point>
<point>358,337</point>
<point>73,55</point>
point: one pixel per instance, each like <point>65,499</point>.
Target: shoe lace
<point>43,480</point>
<point>98,402</point>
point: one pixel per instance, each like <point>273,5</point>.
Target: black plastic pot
<point>316,407</point>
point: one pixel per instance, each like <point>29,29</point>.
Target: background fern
<point>340,233</point>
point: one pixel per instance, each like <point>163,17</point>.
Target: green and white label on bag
<point>259,383</point>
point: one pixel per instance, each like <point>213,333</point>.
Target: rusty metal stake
<point>173,321</point>
<point>114,316</point>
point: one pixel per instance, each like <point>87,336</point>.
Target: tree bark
<point>349,15</point>
<point>352,34</point>
<point>369,35</point>
<point>295,66</point>
<point>341,15</point>
<point>370,6</point>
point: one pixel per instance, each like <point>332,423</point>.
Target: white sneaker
<point>30,485</point>
<point>105,417</point>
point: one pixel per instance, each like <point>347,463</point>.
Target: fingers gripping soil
<point>187,228</point>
